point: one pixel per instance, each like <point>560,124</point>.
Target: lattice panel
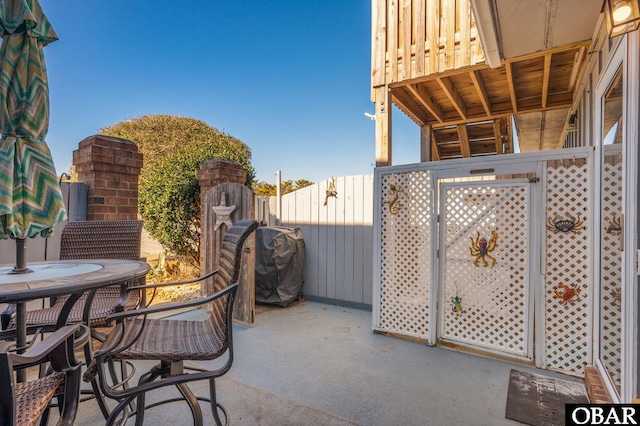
<point>611,268</point>
<point>568,274</point>
<point>494,310</point>
<point>405,254</point>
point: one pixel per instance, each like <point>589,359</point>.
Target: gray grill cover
<point>279,266</point>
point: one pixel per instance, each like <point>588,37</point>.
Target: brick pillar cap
<point>109,138</point>
<point>218,160</point>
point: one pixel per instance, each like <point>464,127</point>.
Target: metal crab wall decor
<point>572,224</point>
<point>567,293</point>
<point>480,249</point>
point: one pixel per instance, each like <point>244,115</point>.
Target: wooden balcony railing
<point>416,38</point>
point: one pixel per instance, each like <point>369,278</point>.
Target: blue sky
<point>289,78</point>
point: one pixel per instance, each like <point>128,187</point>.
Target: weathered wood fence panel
<point>338,236</point>
<point>230,194</point>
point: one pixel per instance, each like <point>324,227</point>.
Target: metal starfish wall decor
<point>223,213</point>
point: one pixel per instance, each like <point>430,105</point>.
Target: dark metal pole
<point>21,257</point>
<point>21,337</point>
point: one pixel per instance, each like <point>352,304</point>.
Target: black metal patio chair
<point>26,403</point>
<point>173,341</point>
<point>96,239</point>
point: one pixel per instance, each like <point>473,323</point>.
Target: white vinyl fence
<point>338,236</point>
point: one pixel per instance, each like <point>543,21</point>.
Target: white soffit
<point>528,26</point>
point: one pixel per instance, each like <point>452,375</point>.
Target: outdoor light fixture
<point>622,16</point>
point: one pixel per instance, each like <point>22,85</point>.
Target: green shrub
<point>174,148</point>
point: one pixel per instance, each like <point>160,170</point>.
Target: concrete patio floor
<point>317,364</point>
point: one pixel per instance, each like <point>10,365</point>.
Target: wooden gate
<point>225,203</point>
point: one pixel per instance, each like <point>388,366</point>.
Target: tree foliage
<point>264,188</point>
<point>174,148</point>
<point>159,136</point>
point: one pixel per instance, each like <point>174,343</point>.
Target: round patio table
<point>62,277</point>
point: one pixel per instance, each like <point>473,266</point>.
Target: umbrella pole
<point>21,257</point>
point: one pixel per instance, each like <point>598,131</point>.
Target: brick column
<point>110,167</point>
<point>215,172</point>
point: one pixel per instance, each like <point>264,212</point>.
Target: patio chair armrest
<point>7,315</point>
<point>59,347</point>
<point>156,285</point>
<point>170,306</point>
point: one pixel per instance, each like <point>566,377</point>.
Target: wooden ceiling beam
<point>456,100</point>
<point>558,49</point>
<point>422,95</point>
<point>463,136</point>
<point>512,89</point>
<point>546,72</point>
<point>405,108</point>
<point>578,60</point>
<point>507,114</point>
<point>476,78</point>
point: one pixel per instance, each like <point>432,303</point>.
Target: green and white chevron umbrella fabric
<point>30,199</point>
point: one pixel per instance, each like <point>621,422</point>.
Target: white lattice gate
<point>535,214</point>
<point>484,258</point>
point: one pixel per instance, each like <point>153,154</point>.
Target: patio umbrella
<point>30,198</point>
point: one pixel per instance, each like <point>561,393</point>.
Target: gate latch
<point>534,180</point>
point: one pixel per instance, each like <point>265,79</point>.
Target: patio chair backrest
<point>229,264</point>
<point>101,239</point>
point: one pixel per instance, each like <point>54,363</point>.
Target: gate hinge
<point>438,253</point>
<point>534,180</point>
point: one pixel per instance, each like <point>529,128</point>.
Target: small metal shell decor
<point>393,202</point>
<point>614,227</point>
<point>570,224</point>
<point>617,297</point>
